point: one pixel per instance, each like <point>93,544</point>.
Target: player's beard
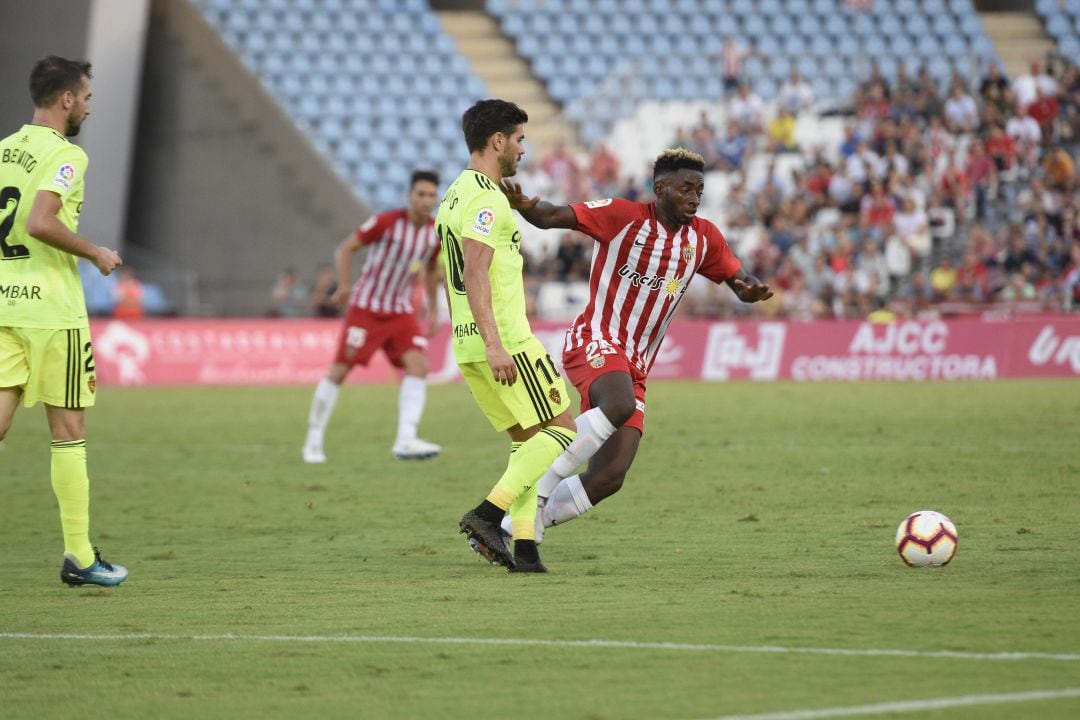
<point>74,124</point>
<point>507,165</point>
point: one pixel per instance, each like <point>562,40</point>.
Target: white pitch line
<point>906,706</point>
<point>536,642</point>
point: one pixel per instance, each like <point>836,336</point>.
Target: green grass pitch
<point>756,515</point>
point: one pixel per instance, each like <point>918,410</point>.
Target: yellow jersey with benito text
<point>475,208</point>
<point>39,284</point>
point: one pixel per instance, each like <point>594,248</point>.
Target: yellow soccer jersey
<point>39,285</point>
<point>475,208</point>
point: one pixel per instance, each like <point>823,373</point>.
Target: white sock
<point>567,502</point>
<point>322,407</point>
<point>593,428</point>
<point>410,406</point>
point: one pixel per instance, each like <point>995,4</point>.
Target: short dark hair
<point>423,176</point>
<point>54,75</point>
<point>677,159</point>
<point>487,117</point>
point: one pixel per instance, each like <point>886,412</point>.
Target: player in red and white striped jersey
<point>645,256</point>
<point>402,245</point>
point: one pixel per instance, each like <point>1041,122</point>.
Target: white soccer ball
<point>926,539</point>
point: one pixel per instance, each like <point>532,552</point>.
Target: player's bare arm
<point>539,213</point>
<point>433,278</point>
<point>45,225</point>
<point>478,290</point>
<point>748,288</point>
<point>343,264</point>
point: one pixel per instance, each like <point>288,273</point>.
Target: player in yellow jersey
<point>512,377</point>
<point>45,352</point>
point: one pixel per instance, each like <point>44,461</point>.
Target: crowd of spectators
<point>936,202</point>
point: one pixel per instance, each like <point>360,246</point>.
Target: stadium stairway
<point>1018,38</point>
<point>495,60</point>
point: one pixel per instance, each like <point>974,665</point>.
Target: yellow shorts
<point>55,367</point>
<point>538,395</point>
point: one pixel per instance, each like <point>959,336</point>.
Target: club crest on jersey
<point>688,253</point>
<point>555,395</point>
<point>485,220</point>
<point>597,361</point>
<point>91,382</point>
<point>593,204</point>
<point>65,176</point>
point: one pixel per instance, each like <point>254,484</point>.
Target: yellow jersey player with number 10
<point>511,375</point>
<point>45,351</point>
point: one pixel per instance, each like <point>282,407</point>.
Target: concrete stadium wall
<point>33,30</point>
<point>225,191</point>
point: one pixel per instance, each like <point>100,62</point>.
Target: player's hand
<point>340,297</point>
<point>750,293</point>
<point>518,200</point>
<point>106,260</point>
<point>432,323</point>
<point>502,365</point>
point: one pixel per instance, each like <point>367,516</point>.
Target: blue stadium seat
<point>767,45</point>
<point>833,66</point>
<point>890,25</point>
<point>798,8</point>
<point>901,44</point>
<point>972,26</point>
<point>837,25</point>
<point>782,25</point>
<point>793,45</point>
<point>955,46</point>
<point>780,67</point>
<point>848,46</point>
<point>916,25</point>
<point>928,45</point>
<point>864,24</point>
<point>945,25</point>
<point>809,25</point>
<point>808,66</point>
<point>821,46</point>
<point>754,26</point>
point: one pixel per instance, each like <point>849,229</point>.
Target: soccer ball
<point>926,539</point>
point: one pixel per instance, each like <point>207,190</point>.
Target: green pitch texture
<point>756,514</point>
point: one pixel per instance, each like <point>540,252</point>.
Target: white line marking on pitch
<point>610,644</point>
<point>911,705</point>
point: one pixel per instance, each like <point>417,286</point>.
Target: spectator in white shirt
<point>795,94</point>
<point>1026,86</point>
<point>746,109</point>
<point>961,113</point>
<point>913,228</point>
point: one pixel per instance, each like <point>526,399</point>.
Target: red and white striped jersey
<point>640,272</point>
<point>399,251</point>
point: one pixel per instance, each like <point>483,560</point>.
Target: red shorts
<point>583,368</point>
<point>366,332</point>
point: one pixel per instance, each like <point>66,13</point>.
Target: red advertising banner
<point>268,352</point>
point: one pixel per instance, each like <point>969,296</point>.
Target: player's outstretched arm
<point>538,212</point>
<point>43,224</point>
<point>748,288</point>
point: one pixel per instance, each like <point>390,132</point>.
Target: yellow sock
<point>528,461</point>
<point>523,515</point>
<point>72,487</point>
